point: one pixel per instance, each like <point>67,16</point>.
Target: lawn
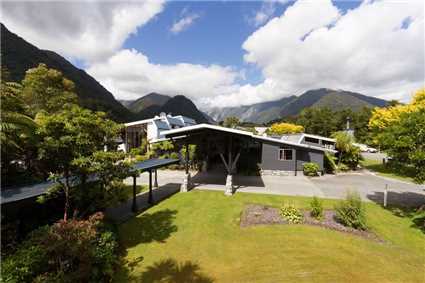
<point>388,171</point>
<point>196,237</point>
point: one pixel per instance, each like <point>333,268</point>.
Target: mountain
<point>258,113</point>
<point>147,101</point>
<point>17,55</point>
<point>293,105</point>
<point>125,103</point>
<point>154,103</point>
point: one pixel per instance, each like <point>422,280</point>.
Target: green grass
<point>129,190</point>
<point>196,237</point>
<point>388,171</point>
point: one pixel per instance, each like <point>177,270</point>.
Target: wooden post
<point>187,158</point>
<point>385,195</point>
<point>155,184</point>
<point>230,156</point>
<point>296,163</point>
<point>126,140</point>
<point>150,199</point>
<point>134,206</point>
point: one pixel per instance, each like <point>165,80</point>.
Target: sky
<point>232,53</point>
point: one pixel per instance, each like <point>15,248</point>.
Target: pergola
<point>150,166</point>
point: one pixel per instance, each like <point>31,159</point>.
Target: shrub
<point>343,168</point>
<point>316,208</point>
<point>311,169</point>
<point>284,128</point>
<point>351,212</point>
<point>291,214</point>
<point>24,264</point>
<point>74,250</point>
<point>329,163</point>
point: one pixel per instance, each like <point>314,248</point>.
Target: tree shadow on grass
<point>150,227</point>
<point>406,204</point>
<point>169,270</point>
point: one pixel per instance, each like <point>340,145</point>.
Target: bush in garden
<point>343,168</point>
<point>311,169</point>
<point>74,250</point>
<point>329,163</point>
<point>316,208</point>
<point>351,212</point>
<point>291,214</point>
<point>26,263</point>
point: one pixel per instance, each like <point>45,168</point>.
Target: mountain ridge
<point>290,106</point>
<point>18,56</point>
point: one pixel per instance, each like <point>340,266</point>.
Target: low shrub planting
<point>316,208</point>
<point>351,212</point>
<point>291,214</point>
<point>73,250</point>
<point>329,163</point>
<point>343,168</point>
<point>311,169</point>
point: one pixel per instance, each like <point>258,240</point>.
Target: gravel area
<point>328,221</point>
<point>256,214</point>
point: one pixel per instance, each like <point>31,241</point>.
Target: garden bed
<point>256,214</point>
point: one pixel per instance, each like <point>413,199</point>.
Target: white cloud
<point>264,14</point>
<point>376,49</point>
<point>367,49</point>
<point>184,23</point>
<point>129,75</point>
<point>87,30</point>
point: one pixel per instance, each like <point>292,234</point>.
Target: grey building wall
<point>270,157</point>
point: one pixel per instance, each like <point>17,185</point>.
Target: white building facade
<point>151,129</point>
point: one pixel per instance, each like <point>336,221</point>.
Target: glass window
<point>285,154</point>
<point>311,140</point>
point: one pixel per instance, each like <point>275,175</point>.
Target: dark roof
<point>153,164</point>
<point>30,191</point>
<point>20,193</point>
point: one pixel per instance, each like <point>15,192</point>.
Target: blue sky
<point>231,53</point>
<point>216,37</point>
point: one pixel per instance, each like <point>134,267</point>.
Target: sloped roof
<point>187,130</point>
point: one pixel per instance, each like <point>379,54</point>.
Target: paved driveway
<point>370,187</point>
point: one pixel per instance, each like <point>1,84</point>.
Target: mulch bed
<point>255,214</point>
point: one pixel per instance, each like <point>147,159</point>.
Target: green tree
<point>349,154</point>
<point>318,121</point>
<point>17,127</point>
<point>285,128</point>
<point>68,139</point>
<point>404,140</point>
<point>231,122</point>
<point>48,90</point>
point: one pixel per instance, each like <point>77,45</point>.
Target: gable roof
<point>189,129</point>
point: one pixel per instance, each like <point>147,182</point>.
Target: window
<point>311,140</point>
<point>285,154</point>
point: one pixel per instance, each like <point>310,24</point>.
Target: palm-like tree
<point>343,143</point>
<point>15,126</point>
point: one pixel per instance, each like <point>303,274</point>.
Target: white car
<point>363,147</point>
<point>371,150</point>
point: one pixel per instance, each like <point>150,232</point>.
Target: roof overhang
<point>140,122</point>
<point>187,131</point>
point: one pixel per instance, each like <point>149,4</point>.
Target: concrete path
<point>370,187</point>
